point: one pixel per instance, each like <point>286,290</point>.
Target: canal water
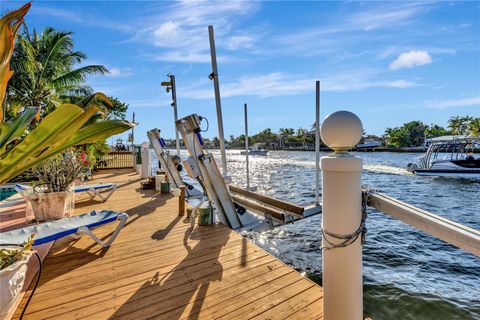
<point>407,274</point>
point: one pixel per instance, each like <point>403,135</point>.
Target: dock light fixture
<point>211,76</point>
<point>167,84</point>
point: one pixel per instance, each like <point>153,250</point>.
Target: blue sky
<point>389,62</point>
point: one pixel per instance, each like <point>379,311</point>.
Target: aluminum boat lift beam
<point>189,128</point>
<point>166,161</point>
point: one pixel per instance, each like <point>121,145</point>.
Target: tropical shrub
<point>58,172</point>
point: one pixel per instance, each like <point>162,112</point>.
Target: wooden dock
<point>159,268</point>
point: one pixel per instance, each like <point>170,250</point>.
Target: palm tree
<point>474,127</point>
<point>45,73</point>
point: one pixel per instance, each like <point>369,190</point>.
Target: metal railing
<point>115,160</point>
<point>444,229</point>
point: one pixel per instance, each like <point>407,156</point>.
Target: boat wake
<point>385,169</point>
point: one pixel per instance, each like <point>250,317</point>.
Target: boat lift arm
<point>189,128</point>
<point>164,157</point>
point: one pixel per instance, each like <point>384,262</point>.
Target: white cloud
<point>282,84</point>
<point>181,29</point>
<point>411,59</point>
<point>240,41</point>
<point>444,104</point>
<point>386,15</point>
<point>400,84</point>
<point>350,30</point>
<point>119,72</point>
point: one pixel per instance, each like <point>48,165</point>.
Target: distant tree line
<point>411,134</point>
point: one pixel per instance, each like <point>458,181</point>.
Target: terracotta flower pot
<point>12,279</point>
<point>52,205</point>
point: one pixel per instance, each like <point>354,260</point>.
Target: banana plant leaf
<point>9,25</point>
<point>95,132</point>
<point>15,127</point>
<point>58,131</point>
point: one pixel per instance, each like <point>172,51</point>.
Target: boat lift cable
<point>36,282</point>
<point>348,239</point>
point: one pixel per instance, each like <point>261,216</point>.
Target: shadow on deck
<point>161,268</point>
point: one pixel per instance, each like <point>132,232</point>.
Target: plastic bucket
<point>165,187</point>
<point>204,213</point>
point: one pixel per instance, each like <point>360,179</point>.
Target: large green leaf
<point>92,133</point>
<point>9,25</point>
<point>99,131</point>
<point>15,127</point>
<point>55,127</point>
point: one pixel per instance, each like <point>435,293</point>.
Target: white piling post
<point>342,215</point>
<point>146,161</point>
<point>246,146</point>
<point>317,144</point>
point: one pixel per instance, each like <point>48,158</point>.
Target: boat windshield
<point>454,149</point>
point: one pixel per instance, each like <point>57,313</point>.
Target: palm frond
<point>78,75</point>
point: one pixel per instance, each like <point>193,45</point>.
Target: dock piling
<point>181,200</point>
<point>146,161</point>
<point>342,219</point>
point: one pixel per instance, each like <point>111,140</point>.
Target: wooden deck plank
<point>161,268</point>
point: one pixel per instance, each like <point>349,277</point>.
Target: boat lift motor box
<point>191,167</point>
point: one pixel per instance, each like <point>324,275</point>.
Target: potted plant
<point>13,269</point>
<point>53,197</point>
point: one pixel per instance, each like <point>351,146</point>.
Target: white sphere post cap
<point>341,130</point>
<point>145,145</point>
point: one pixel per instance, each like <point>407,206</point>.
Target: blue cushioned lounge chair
<point>73,226</point>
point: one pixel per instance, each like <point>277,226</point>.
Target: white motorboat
<point>369,145</point>
<point>255,151</point>
<point>449,156</point>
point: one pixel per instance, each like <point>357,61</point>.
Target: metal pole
<point>175,114</point>
<point>317,145</point>
<point>342,219</point>
<point>246,145</point>
<point>133,134</point>
<point>216,86</point>
<point>133,143</point>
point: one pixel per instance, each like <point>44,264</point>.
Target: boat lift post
<point>214,76</point>
<point>246,145</point>
<point>317,144</point>
<point>170,86</point>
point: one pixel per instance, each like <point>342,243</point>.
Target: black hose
<point>35,286</point>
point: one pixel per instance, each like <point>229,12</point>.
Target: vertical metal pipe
<point>317,145</point>
<point>133,135</point>
<point>216,86</point>
<point>175,114</point>
<point>246,145</point>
